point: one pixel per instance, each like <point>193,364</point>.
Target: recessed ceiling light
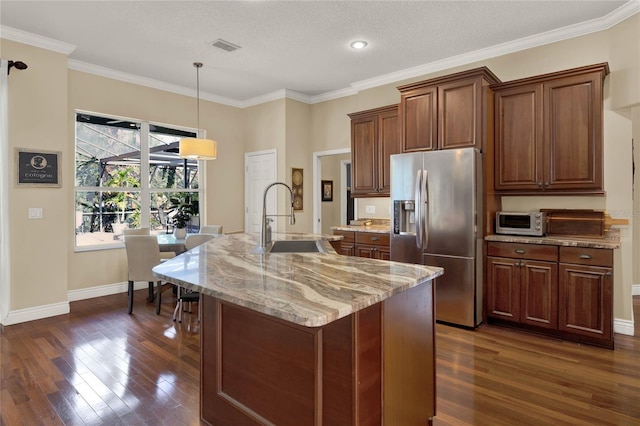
<point>359,44</point>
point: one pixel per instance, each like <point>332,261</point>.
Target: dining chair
<point>184,295</point>
<point>211,229</point>
<point>143,253</point>
<point>136,231</point>
<point>194,240</point>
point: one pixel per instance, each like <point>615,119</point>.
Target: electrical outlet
<point>370,209</point>
<point>35,213</point>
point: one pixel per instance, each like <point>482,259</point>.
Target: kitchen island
<point>310,338</point>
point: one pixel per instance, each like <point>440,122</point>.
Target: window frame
<point>145,189</point>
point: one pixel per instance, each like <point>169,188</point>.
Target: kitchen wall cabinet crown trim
<point>549,133</point>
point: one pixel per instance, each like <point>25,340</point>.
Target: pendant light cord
<point>198,65</point>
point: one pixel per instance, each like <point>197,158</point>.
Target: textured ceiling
<point>301,46</point>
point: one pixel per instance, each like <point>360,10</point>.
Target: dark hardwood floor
<point>100,366</point>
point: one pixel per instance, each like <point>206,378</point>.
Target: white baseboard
<point>635,290</point>
<point>623,327</point>
<point>102,290</point>
<point>36,313</point>
<point>46,311</point>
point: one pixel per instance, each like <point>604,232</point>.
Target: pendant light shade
<point>196,148</point>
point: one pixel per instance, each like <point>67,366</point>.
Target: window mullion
<point>145,196</point>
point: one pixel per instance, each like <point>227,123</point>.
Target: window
<point>112,157</point>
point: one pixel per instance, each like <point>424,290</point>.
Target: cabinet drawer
<point>372,238</point>
<point>348,236</point>
<point>523,251</point>
<point>586,256</point>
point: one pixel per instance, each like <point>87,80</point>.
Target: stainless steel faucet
<point>265,237</point>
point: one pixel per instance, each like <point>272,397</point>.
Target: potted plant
<point>181,210</point>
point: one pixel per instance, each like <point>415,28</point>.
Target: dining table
<point>169,242</point>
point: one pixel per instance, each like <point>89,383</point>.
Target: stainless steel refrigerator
<point>437,220</point>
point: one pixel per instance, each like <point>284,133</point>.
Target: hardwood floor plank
<point>99,366</point>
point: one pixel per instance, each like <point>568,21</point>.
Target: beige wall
<point>42,100</point>
<point>39,249</point>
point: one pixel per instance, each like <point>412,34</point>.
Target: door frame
<point>317,173</point>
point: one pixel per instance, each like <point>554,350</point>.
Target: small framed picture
<point>38,168</point>
<point>327,190</point>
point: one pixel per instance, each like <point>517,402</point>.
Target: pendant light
<point>196,148</point>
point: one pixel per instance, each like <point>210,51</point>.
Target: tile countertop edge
<point>308,289</point>
<point>610,241</point>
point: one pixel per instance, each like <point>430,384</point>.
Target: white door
<point>260,171</point>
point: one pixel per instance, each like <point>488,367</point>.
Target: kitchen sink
<point>295,246</point>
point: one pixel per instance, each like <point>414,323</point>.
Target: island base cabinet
<point>260,370</point>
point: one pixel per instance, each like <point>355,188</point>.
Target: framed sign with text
<point>38,168</point>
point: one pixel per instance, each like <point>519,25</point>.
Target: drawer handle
<point>519,251</point>
<point>585,256</point>
<point>375,239</point>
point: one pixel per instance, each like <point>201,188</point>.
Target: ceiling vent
<point>224,45</point>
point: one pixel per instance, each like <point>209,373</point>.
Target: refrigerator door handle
<point>418,206</point>
<point>424,208</point>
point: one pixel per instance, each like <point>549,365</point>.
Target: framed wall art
<point>297,181</point>
<point>327,190</point>
<point>38,168</point>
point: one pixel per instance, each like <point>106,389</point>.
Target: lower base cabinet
<point>565,292</point>
<point>373,245</point>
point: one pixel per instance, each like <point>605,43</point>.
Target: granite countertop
<point>380,226</point>
<point>309,289</point>
<point>611,240</point>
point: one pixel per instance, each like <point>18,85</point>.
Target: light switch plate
<point>370,209</point>
<point>35,212</point>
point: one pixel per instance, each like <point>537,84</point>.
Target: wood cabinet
<point>523,283</point>
<point>373,245</point>
<point>549,131</point>
<point>375,136</point>
<point>562,291</point>
<point>586,292</point>
<point>446,112</point>
<point>346,246</point>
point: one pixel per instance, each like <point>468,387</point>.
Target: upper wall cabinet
<point>548,132</point>
<point>375,136</point>
<point>446,112</point>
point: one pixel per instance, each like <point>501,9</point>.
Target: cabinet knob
<point>539,183</point>
<point>519,251</point>
<point>608,274</point>
<point>375,239</point>
<point>585,256</point>
<point>546,184</point>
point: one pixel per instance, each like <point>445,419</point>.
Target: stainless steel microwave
<point>521,223</point>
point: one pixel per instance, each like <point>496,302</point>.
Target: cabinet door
<point>418,116</point>
<point>366,250</point>
<point>459,114</point>
<point>363,154</point>
<point>383,253</point>
<point>503,288</point>
<point>347,248</point>
<point>518,138</point>
<point>573,132</point>
<point>388,144</point>
<point>586,300</point>
<point>539,293</point>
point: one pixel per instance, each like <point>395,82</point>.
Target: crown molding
<point>35,40</point>
<point>595,25</point>
<point>148,82</point>
<point>624,12</point>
